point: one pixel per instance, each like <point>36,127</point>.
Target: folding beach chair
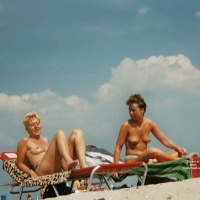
<point>100,171</point>
<point>23,179</point>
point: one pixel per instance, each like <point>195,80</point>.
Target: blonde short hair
<point>30,116</point>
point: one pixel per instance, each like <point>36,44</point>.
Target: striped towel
<point>180,169</point>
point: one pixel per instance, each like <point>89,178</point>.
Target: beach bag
<point>62,188</point>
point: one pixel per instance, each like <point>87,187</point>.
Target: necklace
<point>139,128</point>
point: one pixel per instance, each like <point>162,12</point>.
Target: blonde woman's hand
<point>33,174</point>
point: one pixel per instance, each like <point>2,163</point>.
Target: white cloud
<point>103,92</point>
<point>197,14</point>
<point>156,78</point>
<point>43,101</point>
<point>76,111</point>
<point>48,104</point>
<point>172,73</point>
<point>154,73</point>
<point>73,100</point>
<point>143,11</point>
<point>12,103</point>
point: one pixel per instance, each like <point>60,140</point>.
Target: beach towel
<point>179,169</point>
<point>26,180</point>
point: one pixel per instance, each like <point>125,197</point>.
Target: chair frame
<point>100,171</point>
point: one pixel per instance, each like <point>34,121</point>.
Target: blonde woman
<point>48,158</point>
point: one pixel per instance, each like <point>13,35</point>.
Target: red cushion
<point>195,167</point>
<point>8,155</point>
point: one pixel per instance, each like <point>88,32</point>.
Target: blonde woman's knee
<point>60,133</point>
<point>77,132</point>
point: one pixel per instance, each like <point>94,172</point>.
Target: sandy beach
<point>182,190</point>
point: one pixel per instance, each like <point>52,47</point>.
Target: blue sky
<point>77,62</point>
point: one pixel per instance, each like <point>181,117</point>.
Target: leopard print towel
<point>25,179</point>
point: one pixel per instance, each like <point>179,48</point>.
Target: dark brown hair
<point>138,99</point>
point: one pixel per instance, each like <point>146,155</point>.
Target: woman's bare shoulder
<point>149,122</point>
<point>126,123</point>
<point>23,143</point>
<point>24,139</point>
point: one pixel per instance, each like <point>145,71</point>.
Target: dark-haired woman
<point>134,133</point>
